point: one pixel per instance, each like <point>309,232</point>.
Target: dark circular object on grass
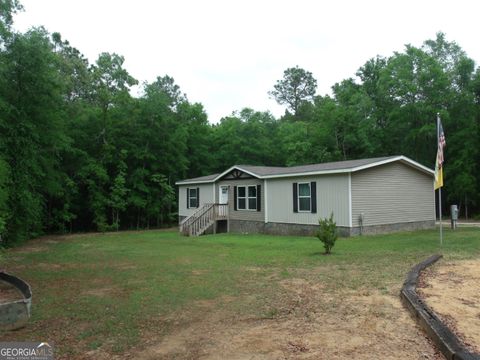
<point>446,341</point>
<point>15,314</point>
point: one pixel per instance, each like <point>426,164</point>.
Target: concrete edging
<point>446,341</point>
<point>15,314</point>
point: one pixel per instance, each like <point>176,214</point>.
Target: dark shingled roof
<point>337,166</point>
<point>201,178</point>
<point>278,170</point>
<point>330,166</point>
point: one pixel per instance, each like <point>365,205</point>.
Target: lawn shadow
<point>317,253</point>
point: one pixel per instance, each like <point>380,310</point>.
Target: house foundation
<point>252,227</point>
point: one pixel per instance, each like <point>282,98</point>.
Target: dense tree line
<point>79,153</point>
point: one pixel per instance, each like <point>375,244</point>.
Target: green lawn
<point>111,291</point>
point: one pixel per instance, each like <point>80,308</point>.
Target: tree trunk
<point>466,208</point>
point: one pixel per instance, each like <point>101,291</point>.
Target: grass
<point>110,291</point>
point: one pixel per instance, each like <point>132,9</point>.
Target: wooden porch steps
<point>202,219</point>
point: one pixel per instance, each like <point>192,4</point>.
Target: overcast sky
<point>229,54</point>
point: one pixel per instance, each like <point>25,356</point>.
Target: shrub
<point>327,233</point>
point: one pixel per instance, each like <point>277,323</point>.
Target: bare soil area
<point>9,293</point>
<point>451,289</point>
<point>303,323</point>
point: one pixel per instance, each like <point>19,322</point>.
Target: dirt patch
<point>451,290</point>
<point>300,286</point>
<point>51,266</point>
<point>9,293</point>
<point>254,269</point>
<point>126,266</point>
<point>59,266</point>
<point>43,242</point>
<point>40,244</point>
<point>102,287</point>
<point>303,324</point>
<point>199,272</point>
<point>101,292</point>
<point>30,249</point>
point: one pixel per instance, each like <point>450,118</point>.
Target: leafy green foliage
<point>7,9</point>
<point>4,195</point>
<point>32,132</point>
<point>246,137</point>
<point>118,192</point>
<point>327,233</point>
<point>296,87</point>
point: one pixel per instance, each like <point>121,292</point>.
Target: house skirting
<point>252,227</point>
<point>259,227</point>
<point>388,228</point>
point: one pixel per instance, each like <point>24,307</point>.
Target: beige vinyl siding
<point>392,193</point>
<point>332,195</point>
<point>206,196</point>
<point>242,214</point>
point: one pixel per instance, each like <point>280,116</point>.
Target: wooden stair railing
<point>197,223</point>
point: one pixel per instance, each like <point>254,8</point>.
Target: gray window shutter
<point>235,198</point>
<point>188,198</point>
<point>198,197</point>
<point>259,197</point>
<point>295,197</point>
<point>313,196</point>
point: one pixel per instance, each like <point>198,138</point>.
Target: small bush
<point>327,233</point>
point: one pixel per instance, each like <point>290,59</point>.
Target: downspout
<point>265,197</point>
<point>350,213</point>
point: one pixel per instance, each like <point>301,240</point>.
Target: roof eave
<point>417,165</point>
<point>402,158</point>
<point>194,182</point>
<point>307,173</point>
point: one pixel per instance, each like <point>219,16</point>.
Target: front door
<point>223,195</point>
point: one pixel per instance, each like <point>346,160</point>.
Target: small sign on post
<point>454,216</point>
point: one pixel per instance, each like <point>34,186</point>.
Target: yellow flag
<point>440,157</point>
<point>438,177</point>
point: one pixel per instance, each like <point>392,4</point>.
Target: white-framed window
<point>247,197</point>
<point>193,197</point>
<point>304,197</point>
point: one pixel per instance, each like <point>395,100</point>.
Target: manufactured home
<point>365,196</point>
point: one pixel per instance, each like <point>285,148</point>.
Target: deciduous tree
<point>297,86</point>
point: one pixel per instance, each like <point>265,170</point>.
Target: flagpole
<point>440,212</point>
<point>440,188</point>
